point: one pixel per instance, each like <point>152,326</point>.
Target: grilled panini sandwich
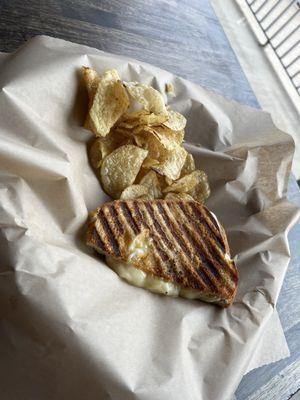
<point>176,248</point>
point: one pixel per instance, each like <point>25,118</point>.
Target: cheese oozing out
<point>127,271</point>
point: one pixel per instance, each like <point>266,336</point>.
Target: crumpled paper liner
<point>71,329</point>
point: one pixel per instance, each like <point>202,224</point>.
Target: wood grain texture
<point>184,37</point>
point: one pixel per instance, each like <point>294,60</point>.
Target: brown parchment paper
<point>70,328</point>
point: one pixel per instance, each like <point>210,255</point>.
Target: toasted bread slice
<point>167,246</point>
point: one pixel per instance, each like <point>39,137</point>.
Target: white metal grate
<point>279,23</point>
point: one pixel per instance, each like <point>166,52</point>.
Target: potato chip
<point>168,135</point>
<point>134,192</point>
<point>120,168</point>
<point>187,183</point>
<point>151,181</point>
<point>91,79</point>
<point>139,140</point>
<point>189,165</point>
<point>134,115</point>
<point>168,181</point>
<point>153,119</point>
<point>140,175</point>
<point>138,129</point>
<point>101,147</point>
<point>201,191</point>
<point>109,104</point>
<point>127,124</point>
<point>170,155</point>
<point>178,196</point>
<point>175,121</point>
<point>151,99</point>
<point>150,162</point>
<point>171,162</point>
<point>95,153</point>
<point>194,184</point>
<point>139,153</point>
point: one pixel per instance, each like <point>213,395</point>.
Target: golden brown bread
<point>184,243</point>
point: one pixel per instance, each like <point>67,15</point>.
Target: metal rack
<point>279,22</point>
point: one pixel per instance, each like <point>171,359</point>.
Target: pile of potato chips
<point>138,151</point>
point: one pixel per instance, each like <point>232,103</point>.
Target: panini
<point>172,247</point>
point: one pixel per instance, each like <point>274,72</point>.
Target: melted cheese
<point>139,278</point>
<point>215,218</point>
<point>140,246</point>
<point>138,249</point>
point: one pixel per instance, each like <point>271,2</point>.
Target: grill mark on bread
<point>217,229</point>
<point>162,256</point>
<point>115,218</point>
<point>142,223</point>
<point>198,214</point>
<point>200,248</point>
<point>139,220</point>
<point>169,223</point>
<point>206,263</point>
<point>129,218</point>
<point>212,219</point>
<point>97,239</point>
<point>202,273</point>
<point>184,271</point>
<point>193,213</point>
<point>157,225</point>
<point>214,256</point>
<point>219,252</point>
<point>108,232</point>
<point>167,255</point>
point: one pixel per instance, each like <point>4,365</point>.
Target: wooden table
<point>186,38</point>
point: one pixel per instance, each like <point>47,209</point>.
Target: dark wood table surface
<point>186,38</point>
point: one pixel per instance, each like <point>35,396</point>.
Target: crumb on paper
<point>169,87</point>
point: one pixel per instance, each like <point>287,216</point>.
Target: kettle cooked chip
<point>139,153</point>
<point>146,95</point>
<point>175,121</point>
<point>171,162</point>
<point>120,168</point>
<point>134,192</point>
<point>167,135</point>
<point>101,147</point>
<point>109,104</point>
<point>178,196</point>
<point>91,79</point>
<point>187,183</point>
<point>151,181</point>
<point>194,184</point>
<point>189,165</point>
